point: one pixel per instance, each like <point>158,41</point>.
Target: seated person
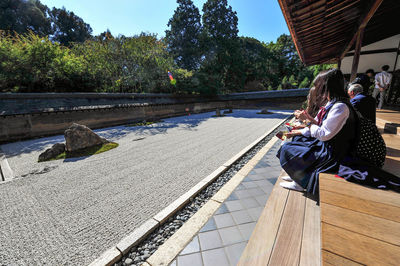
<point>326,140</point>
<point>362,103</point>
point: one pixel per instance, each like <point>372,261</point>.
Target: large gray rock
<point>78,137</point>
<point>53,152</point>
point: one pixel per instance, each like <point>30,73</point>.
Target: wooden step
<point>359,225</point>
<point>389,121</point>
<point>287,232</point>
<point>388,127</point>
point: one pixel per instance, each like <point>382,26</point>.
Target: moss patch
<point>143,123</point>
<point>85,152</point>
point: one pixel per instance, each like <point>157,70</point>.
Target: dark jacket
<point>366,105</point>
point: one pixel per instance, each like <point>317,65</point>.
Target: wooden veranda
<point>352,224</point>
<point>325,31</point>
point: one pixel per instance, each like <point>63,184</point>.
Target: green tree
<point>23,16</point>
<point>221,45</point>
<point>285,85</point>
<point>292,81</point>
<point>287,60</point>
<point>183,38</point>
<point>305,83</point>
<point>31,63</point>
<point>220,22</point>
<point>258,62</point>
<point>106,35</point>
<point>68,27</point>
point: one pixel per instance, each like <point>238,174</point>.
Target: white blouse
<point>334,122</point>
<point>382,80</point>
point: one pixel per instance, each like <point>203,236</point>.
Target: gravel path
<point>69,212</point>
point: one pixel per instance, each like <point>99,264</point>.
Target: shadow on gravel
<point>118,132</point>
<point>183,123</point>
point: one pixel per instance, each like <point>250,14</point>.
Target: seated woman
<point>326,140</point>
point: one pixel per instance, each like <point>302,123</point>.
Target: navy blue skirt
<point>358,171</point>
<point>304,158</point>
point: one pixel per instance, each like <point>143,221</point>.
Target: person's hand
<point>381,89</point>
<point>297,113</point>
<point>291,134</point>
<point>304,116</point>
<point>301,126</point>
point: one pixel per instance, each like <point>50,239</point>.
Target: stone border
<point>110,256</point>
<point>167,252</point>
<point>6,174</point>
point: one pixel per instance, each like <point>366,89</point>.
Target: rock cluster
<point>53,152</point>
<point>77,137</point>
<point>229,111</point>
<point>265,112</point>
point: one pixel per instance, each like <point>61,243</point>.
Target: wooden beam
<point>376,51</point>
<point>286,14</point>
<point>363,22</point>
<point>356,57</point>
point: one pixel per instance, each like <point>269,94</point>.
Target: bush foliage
<point>204,54</point>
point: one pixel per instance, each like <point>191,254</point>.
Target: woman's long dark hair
<point>328,83</point>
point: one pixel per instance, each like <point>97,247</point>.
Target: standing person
<point>326,140</point>
<point>364,104</point>
<point>382,83</point>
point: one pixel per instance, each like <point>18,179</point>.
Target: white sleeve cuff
<point>313,129</point>
<point>305,132</point>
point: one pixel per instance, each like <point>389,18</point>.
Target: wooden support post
<point>339,63</point>
<point>397,56</point>
<point>356,57</point>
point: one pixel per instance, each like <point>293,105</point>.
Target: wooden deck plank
<point>361,223</point>
<point>377,209</point>
<point>329,258</point>
<point>357,247</point>
<point>288,242</point>
<point>311,241</point>
<point>392,162</point>
<point>261,243</point>
<point>389,116</point>
<point>341,186</point>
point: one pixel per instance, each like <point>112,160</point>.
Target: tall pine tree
<point>220,33</point>
<point>21,16</point>
<point>184,36</point>
<point>68,27</point>
<point>220,22</point>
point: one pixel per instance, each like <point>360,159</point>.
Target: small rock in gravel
<point>128,261</point>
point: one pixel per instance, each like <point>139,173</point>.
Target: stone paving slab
<point>224,237</point>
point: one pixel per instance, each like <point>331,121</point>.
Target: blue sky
<point>261,19</point>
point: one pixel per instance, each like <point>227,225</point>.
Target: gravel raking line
<point>141,252</point>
